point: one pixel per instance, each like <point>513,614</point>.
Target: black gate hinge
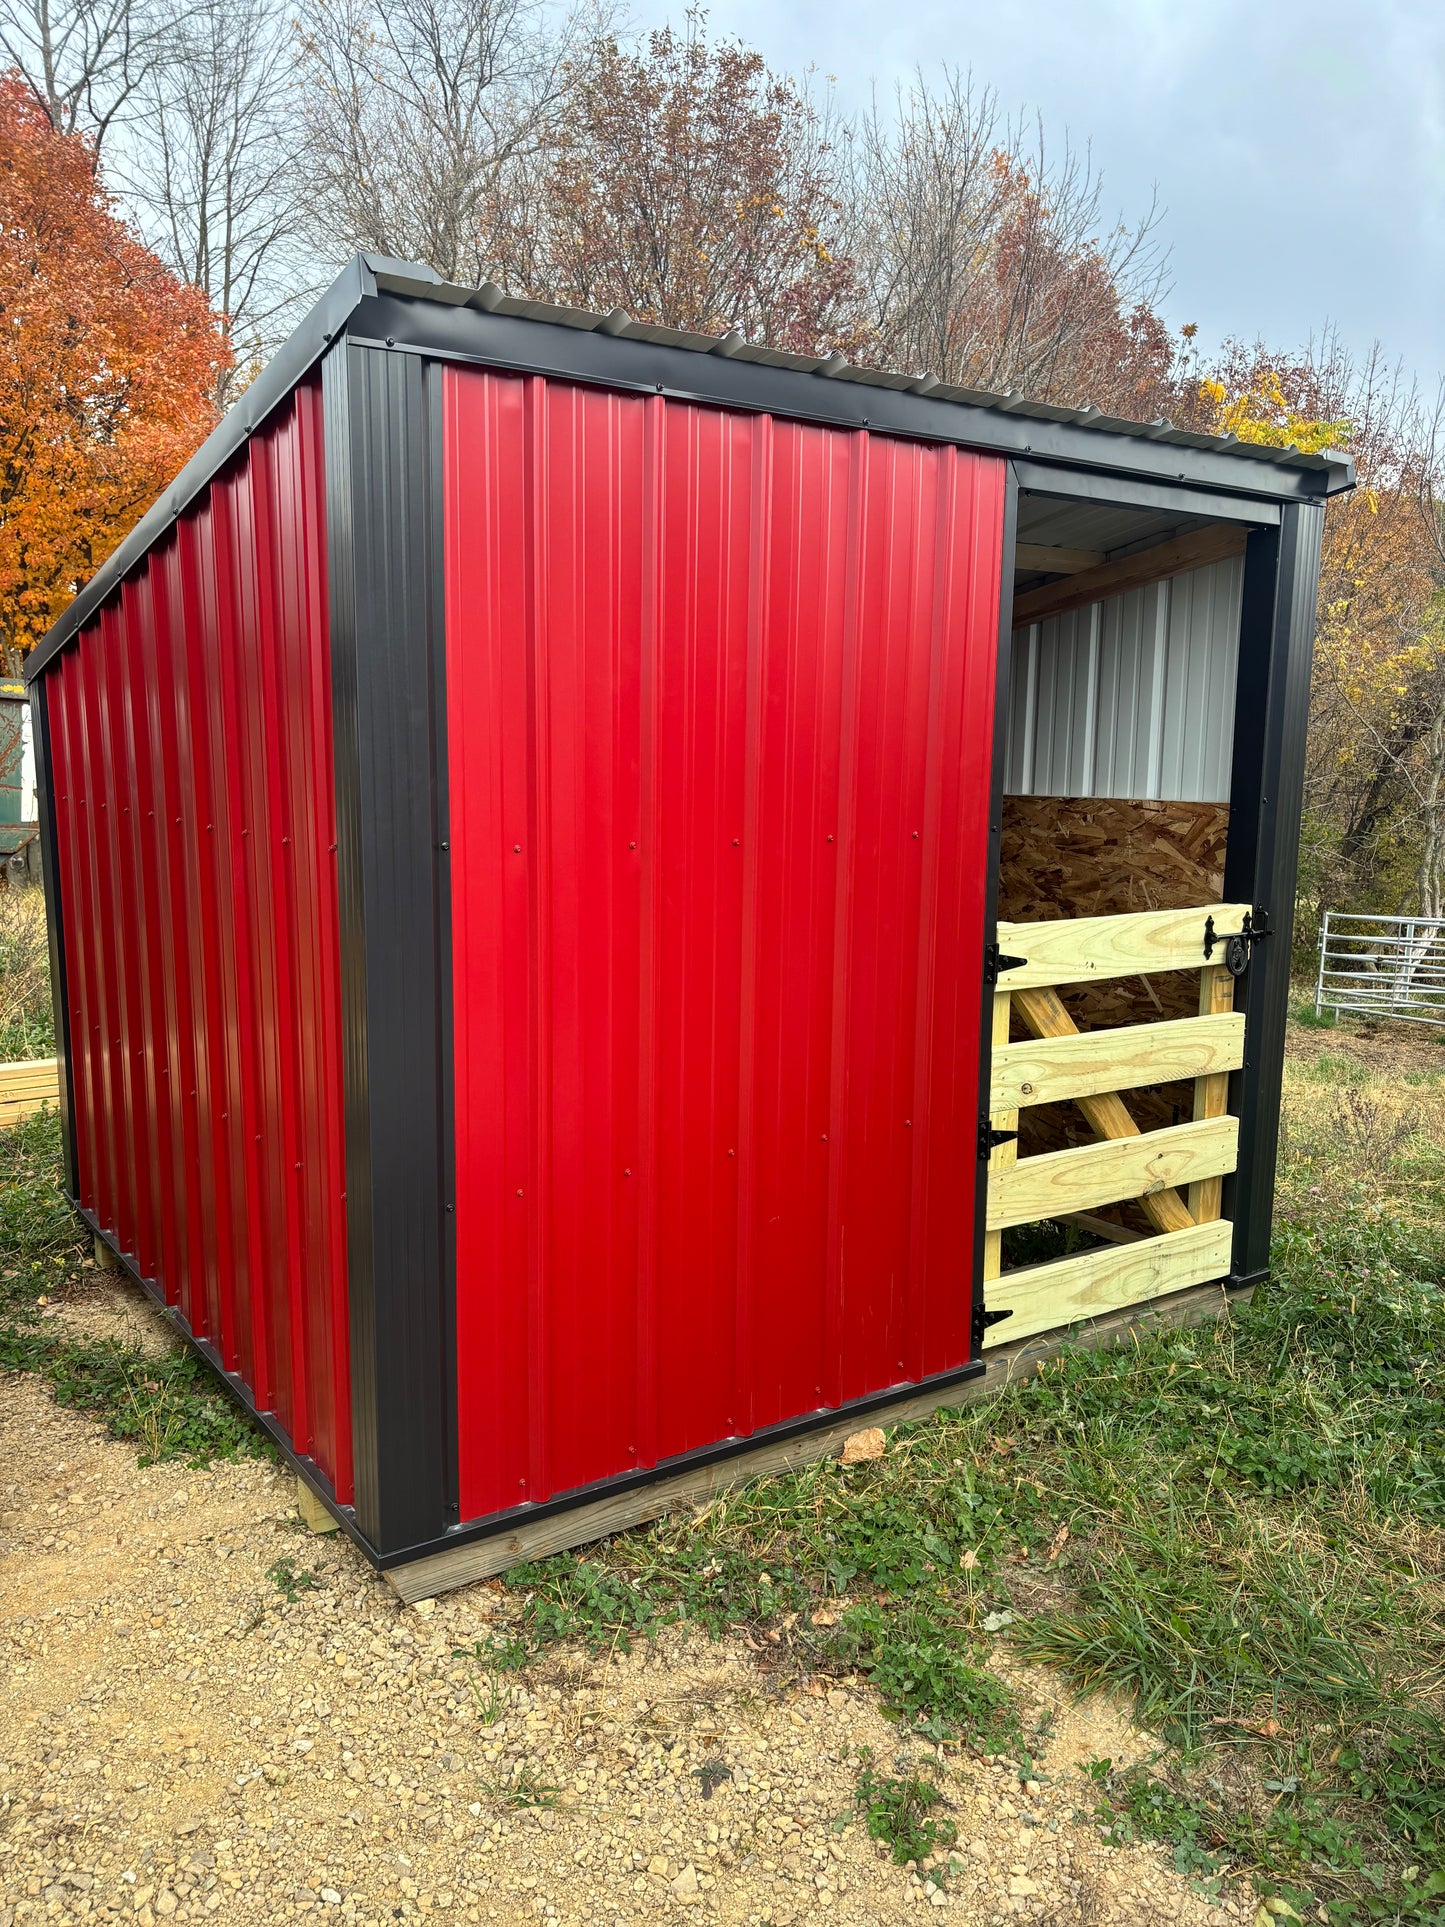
<point>995,960</point>
<point>1237,945</point>
<point>983,1318</point>
<point>990,1139</point>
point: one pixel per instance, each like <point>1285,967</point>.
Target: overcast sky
<point>1298,146</point>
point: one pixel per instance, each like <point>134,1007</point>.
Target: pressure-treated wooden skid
<point>1057,1063</point>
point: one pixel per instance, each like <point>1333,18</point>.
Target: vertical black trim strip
<point>383,537</point>
<point>50,876</point>
<point>1281,571</point>
<point>1003,674</point>
<point>441,813</point>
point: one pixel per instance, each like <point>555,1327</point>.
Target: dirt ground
<point>1384,1050</point>
<point>181,1740</point>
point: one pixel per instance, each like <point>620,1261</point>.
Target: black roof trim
<point>411,309</point>
<point>288,366</point>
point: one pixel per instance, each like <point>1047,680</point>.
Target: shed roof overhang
<point>409,308</point>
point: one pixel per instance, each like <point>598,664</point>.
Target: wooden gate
<point>1175,1174</point>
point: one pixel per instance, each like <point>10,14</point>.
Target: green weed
<point>287,1578</point>
<point>710,1776</point>
<point>898,1811</point>
<point>493,1658</point>
<point>918,1660</point>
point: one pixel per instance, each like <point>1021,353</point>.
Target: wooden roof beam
<point>1192,550</point>
<point>1046,560</point>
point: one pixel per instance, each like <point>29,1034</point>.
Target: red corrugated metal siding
<point>720,715</point>
<point>195,820</point>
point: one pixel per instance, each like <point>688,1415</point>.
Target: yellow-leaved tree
<point>1369,839</point>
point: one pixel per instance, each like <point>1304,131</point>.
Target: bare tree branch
<point>422,116</point>
<point>210,165</point>
<point>989,263</point>
<point>85,59</point>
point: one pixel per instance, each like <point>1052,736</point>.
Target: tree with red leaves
<point>691,186</point>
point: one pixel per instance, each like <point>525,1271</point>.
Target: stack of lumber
<point>26,1087</point>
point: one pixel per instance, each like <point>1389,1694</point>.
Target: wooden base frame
<point>483,1558</point>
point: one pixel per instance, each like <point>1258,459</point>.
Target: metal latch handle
<point>1237,944</point>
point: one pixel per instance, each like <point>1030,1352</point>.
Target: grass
<point>1240,1525</point>
<point>166,1403</point>
<point>27,1023</point>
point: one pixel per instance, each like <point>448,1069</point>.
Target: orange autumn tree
<point>107,366</point>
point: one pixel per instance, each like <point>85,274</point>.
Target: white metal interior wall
<point>1131,697</point>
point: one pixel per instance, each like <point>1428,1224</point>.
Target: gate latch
<point>990,1139</point>
<point>994,960</point>
<point>1237,945</point>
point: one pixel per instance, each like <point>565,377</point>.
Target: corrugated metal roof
<point>406,279</point>
<point>374,300</point>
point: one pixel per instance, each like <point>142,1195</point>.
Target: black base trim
<point>499,1522</point>
<point>1246,1280</point>
<point>580,1495</point>
<point>230,1381</point>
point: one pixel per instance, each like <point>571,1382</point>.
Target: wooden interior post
<point>1001,1154</point>
<point>1211,1094</point>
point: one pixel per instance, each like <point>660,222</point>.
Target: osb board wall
<point>1094,856</point>
<point>1097,856</point>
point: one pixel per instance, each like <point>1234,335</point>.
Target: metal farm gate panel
<point>1374,966</point>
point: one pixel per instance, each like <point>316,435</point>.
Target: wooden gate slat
<point>1059,1182</point>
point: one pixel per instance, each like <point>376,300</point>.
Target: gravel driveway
<point>208,1713</point>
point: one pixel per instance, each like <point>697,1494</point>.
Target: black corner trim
<point>992,961</point>
<point>387,656</point>
<point>1261,866</point>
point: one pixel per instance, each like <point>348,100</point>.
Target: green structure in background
<point>19,840</point>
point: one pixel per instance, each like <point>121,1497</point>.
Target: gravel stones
<point>181,1741</point>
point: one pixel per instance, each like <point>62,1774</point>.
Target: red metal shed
<point>522,827</point>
